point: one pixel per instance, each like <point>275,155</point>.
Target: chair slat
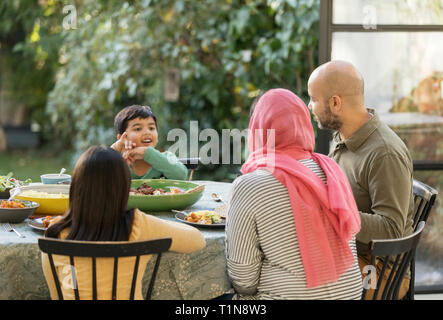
<point>389,287</point>
<point>427,196</point>
<point>154,274</point>
<point>114,279</point>
<point>420,206</point>
<point>406,260</point>
<point>380,278</point>
<point>94,279</point>
<point>134,278</point>
<point>55,277</point>
<point>74,278</point>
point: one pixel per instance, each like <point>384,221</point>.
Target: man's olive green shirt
<point>379,168</point>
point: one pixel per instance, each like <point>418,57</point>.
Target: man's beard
<point>329,121</point>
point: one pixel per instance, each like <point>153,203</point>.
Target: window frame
<point>326,29</point>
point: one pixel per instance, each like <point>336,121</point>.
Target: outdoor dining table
<point>197,276</point>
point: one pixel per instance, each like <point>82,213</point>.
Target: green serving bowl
<point>164,202</point>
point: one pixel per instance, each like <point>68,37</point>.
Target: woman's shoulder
<point>257,181</point>
<point>140,222</point>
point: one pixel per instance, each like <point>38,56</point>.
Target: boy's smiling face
<point>142,131</point>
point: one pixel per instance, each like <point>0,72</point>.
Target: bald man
<point>375,160</point>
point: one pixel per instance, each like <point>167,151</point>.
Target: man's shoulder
<point>384,140</point>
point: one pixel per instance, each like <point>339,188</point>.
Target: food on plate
<point>47,220</point>
<point>11,204</point>
<point>204,217</point>
<point>8,182</point>
<point>145,190</point>
<point>43,195</point>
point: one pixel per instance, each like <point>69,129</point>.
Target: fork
<point>8,228</point>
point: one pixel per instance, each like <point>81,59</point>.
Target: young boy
<point>136,128</point>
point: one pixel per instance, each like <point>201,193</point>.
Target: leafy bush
<point>29,41</point>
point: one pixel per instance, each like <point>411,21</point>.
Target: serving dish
<point>55,178</point>
<point>17,215</point>
<point>165,202</point>
<point>48,205</point>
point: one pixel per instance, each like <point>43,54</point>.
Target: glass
<point>392,12</point>
<point>403,75</point>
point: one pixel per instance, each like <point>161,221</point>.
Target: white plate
<point>181,215</point>
<point>37,224</point>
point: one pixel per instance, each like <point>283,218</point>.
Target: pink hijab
<point>325,216</point>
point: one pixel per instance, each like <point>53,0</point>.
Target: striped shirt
<point>263,256</point>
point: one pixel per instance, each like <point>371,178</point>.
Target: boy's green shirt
<point>162,164</point>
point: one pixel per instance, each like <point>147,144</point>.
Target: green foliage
<point>227,52</point>
<point>30,37</point>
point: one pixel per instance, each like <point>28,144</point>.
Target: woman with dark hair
<point>98,200</point>
<point>292,218</point>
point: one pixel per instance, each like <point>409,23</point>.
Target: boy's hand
<point>127,158</point>
<point>123,143</point>
<point>133,154</point>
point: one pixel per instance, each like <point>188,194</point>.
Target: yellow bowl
<point>48,206</point>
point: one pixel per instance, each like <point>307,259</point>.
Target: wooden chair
<point>424,198</point>
<point>402,252</point>
<point>98,249</point>
<point>192,164</point>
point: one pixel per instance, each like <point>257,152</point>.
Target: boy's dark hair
<point>132,112</point>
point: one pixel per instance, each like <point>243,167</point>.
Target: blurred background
<point>66,70</point>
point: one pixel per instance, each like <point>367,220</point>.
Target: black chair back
<point>401,251</point>
<point>424,198</point>
<point>103,249</point>
<point>192,164</point>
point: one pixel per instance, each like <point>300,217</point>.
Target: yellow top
<point>185,239</point>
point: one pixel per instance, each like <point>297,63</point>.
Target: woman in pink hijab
<point>292,217</point>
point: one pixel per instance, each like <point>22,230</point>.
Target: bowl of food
<point>163,194</point>
<point>55,178</point>
<point>8,182</point>
<point>53,199</point>
<point>16,211</point>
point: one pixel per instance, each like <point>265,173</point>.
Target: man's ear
<point>335,104</point>
<point>119,136</point>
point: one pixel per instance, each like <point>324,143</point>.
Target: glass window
<point>403,72</point>
<point>392,12</point>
